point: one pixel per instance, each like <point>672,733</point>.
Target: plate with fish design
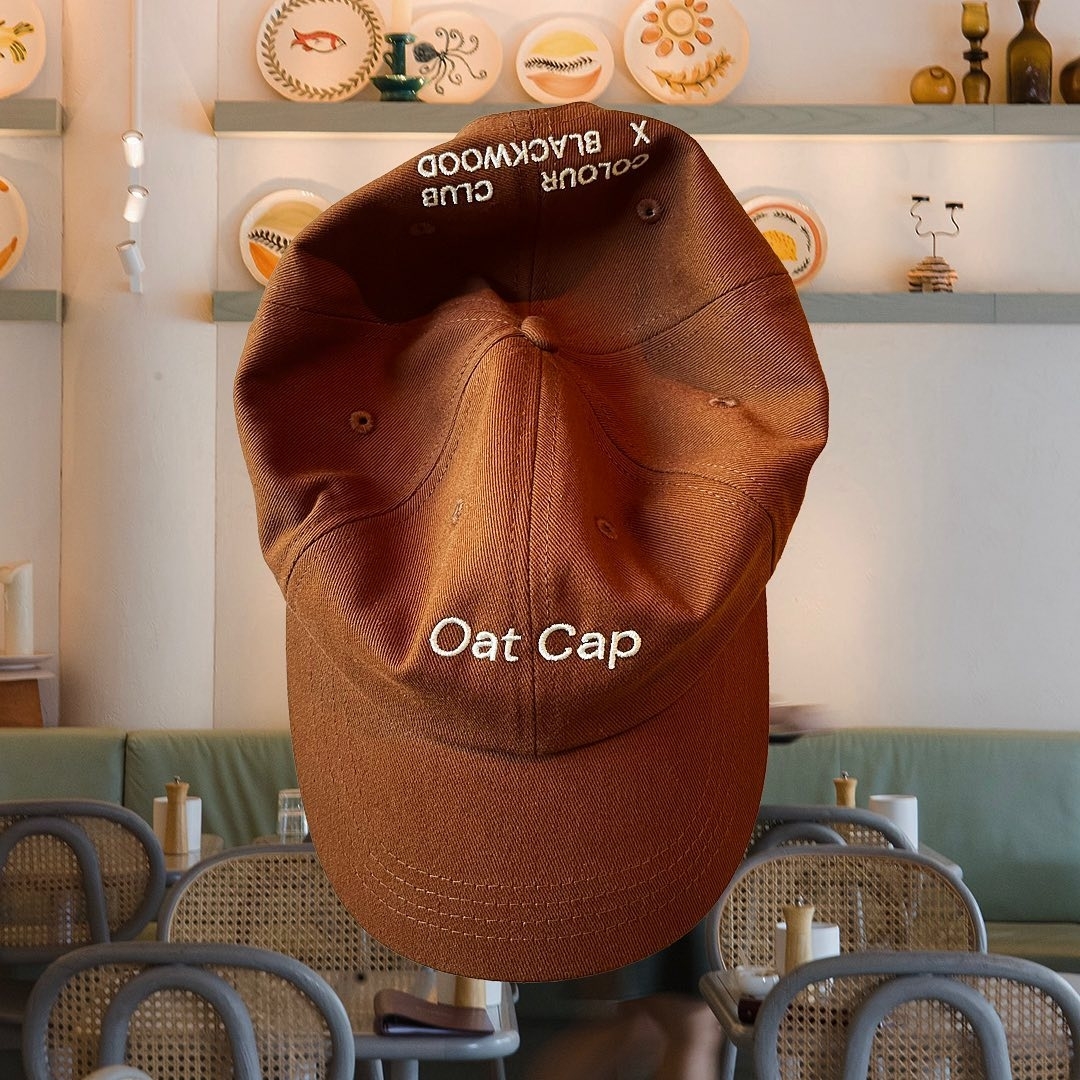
<point>687,52</point>
<point>320,50</point>
<point>22,45</point>
<point>270,226</point>
<point>458,55</point>
<point>564,60</point>
<point>14,227</point>
<point>794,232</point>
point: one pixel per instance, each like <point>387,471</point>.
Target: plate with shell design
<point>22,45</point>
<point>271,224</point>
<point>687,52</point>
<point>565,59</point>
<point>794,232</point>
<point>14,227</point>
<point>319,50</point>
<point>458,55</point>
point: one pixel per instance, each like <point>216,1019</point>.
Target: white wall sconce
<point>134,148</point>
<point>135,207</point>
<point>132,261</point>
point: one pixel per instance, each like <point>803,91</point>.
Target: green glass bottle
<point>1029,61</point>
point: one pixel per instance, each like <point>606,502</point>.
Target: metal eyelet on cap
<point>362,422</point>
<point>649,210</point>
<point>606,528</point>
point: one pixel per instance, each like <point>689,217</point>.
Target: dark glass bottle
<point>1029,61</point>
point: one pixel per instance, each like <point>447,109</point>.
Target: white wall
<point>931,576</point>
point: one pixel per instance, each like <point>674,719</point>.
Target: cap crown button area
<point>538,332</point>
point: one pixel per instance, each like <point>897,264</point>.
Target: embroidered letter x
<point>639,132</point>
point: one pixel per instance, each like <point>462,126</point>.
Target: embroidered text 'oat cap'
<point>528,421</point>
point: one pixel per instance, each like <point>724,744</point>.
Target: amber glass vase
<point>975,25</point>
<point>1070,82</point>
<point>1029,61</point>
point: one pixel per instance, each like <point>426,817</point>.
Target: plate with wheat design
<point>271,224</point>
<point>565,59</point>
<point>687,52</point>
<point>320,50</point>
<point>794,232</point>
<point>22,45</point>
<point>14,227</point>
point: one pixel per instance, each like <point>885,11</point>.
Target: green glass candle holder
<point>398,85</point>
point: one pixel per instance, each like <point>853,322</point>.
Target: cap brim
<point>520,869</point>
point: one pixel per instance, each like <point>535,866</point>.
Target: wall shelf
<point>281,118</point>
<point>31,305</point>
<point>823,307</point>
<point>31,116</point>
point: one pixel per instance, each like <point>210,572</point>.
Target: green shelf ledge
<point>31,116</point>
<point>31,305</point>
<point>823,307</point>
<point>290,118</point>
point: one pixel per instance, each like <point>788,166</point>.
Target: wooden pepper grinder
<point>469,993</point>
<point>176,837</point>
<point>798,943</point>
<point>845,789</point>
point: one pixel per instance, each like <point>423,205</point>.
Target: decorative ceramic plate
<point>794,232</point>
<point>458,54</point>
<point>270,225</point>
<point>563,60</point>
<point>14,227</point>
<point>687,52</point>
<point>319,50</point>
<point>23,663</point>
<point>22,45</point>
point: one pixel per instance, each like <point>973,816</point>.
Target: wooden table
<point>177,865</point>
<point>20,697</point>
<point>402,1054</point>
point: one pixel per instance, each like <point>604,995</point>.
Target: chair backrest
<point>187,1012</point>
<point>780,823</point>
<point>275,896</point>
<point>881,898</point>
<point>919,1014</point>
<point>73,872</point>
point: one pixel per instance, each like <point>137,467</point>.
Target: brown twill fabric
<point>522,402</point>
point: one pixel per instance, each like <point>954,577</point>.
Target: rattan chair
<point>277,896</point>
<point>779,823</point>
<point>894,1016</point>
<point>881,898</point>
<point>185,1012</point>
<point>72,872</point>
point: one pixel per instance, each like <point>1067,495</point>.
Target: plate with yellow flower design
<point>794,232</point>
<point>565,59</point>
<point>14,227</point>
<point>687,52</point>
<point>22,45</point>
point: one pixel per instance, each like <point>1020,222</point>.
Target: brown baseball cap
<point>528,420</point>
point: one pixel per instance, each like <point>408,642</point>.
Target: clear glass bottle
<point>1029,61</point>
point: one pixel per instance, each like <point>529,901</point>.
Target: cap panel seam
<point>431,478</point>
<point>630,466</point>
<point>498,314</point>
